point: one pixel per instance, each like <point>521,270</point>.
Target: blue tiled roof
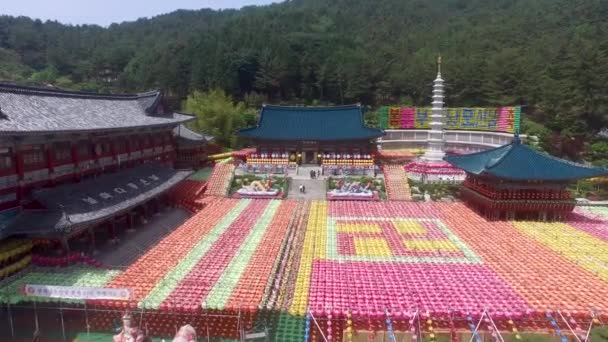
<point>311,123</point>
<point>517,161</point>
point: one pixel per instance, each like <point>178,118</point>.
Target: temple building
<point>192,149</point>
<point>71,162</point>
<point>332,137</point>
<point>516,182</point>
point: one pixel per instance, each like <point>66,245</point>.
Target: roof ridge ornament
<point>439,64</point>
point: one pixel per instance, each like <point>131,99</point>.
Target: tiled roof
<point>28,110</point>
<point>519,162</point>
<point>311,123</point>
<point>76,205</point>
<point>186,133</point>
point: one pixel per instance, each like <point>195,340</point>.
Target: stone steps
<point>397,186</point>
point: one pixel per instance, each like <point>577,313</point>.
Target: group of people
<point>314,174</point>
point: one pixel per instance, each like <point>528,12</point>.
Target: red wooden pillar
<point>19,167</point>
<point>173,153</point>
<point>50,161</point>
<point>128,150</point>
<point>50,157</point>
<point>75,160</point>
<point>114,153</point>
<point>92,245</point>
<point>131,220</point>
<point>112,229</point>
<point>96,152</point>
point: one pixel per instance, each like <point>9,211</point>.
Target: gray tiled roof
<point>27,110</point>
<point>186,133</point>
<point>77,205</point>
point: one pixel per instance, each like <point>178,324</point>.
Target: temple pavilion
<point>192,148</point>
<point>516,182</point>
<point>333,137</point>
<point>75,163</point>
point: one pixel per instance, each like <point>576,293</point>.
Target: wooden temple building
<point>516,182</point>
<point>192,149</point>
<point>72,163</point>
<point>332,137</point>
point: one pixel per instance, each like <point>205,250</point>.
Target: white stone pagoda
<point>431,168</point>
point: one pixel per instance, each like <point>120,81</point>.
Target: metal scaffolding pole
<point>10,319</point>
<point>62,324</point>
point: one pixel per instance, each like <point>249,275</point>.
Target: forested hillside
<point>551,55</point>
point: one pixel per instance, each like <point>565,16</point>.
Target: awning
<point>76,206</point>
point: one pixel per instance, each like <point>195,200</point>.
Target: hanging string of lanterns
<point>429,326</point>
<point>473,328</point>
<point>349,327</point>
<point>454,337</point>
<point>555,326</point>
<point>329,329</point>
<point>513,328</point>
<point>389,327</point>
<point>307,328</point>
<point>414,322</point>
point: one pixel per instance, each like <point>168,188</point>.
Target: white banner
<point>75,292</point>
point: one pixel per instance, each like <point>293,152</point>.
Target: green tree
<point>47,75</point>
<point>217,114</point>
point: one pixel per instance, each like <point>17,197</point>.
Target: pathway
<point>133,244</point>
<point>397,187</point>
<point>219,180</point>
<point>315,188</point>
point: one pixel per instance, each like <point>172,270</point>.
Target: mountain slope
<point>551,54</point>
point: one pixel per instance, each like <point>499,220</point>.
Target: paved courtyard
<point>133,244</point>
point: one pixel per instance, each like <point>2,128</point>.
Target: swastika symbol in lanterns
<point>395,240</point>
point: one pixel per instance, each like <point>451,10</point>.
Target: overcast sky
<point>105,12</point>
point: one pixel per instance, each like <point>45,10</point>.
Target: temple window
<point>135,144</point>
<point>62,152</point>
<point>120,145</point>
<point>6,158</point>
<point>84,149</point>
<point>33,156</point>
<point>105,148</point>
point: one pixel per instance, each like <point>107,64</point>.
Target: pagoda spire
<point>436,143</point>
<point>439,64</point>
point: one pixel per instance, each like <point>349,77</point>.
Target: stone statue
<point>259,185</point>
<point>129,331</point>
<point>427,196</point>
<point>185,334</point>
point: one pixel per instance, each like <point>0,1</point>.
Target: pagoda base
<point>434,172</point>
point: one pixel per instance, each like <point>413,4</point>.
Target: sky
<point>105,12</point>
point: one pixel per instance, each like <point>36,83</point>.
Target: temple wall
<point>34,161</point>
<point>469,141</point>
